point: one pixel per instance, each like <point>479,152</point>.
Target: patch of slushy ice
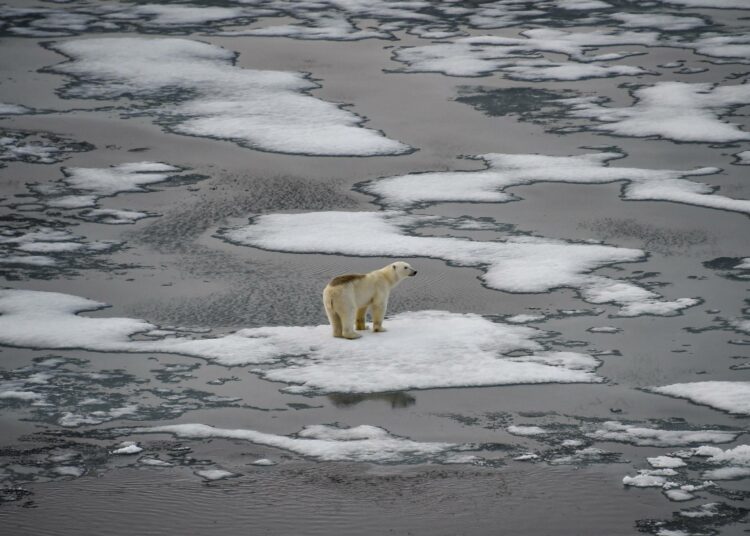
<point>37,147</point>
<point>26,247</point>
<point>672,110</point>
<point>325,443</point>
<point>505,171</point>
<point>318,25</point>
<point>446,349</point>
<point>515,264</point>
<point>730,396</point>
<point>196,89</point>
<point>642,436</point>
<point>527,430</point>
<point>521,57</point>
<point>67,394</point>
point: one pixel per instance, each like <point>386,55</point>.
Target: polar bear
<point>347,298</point>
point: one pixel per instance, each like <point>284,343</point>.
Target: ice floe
<point>743,159</point>
<point>642,436</point>
<point>521,58</point>
<point>673,110</point>
<point>324,442</point>
<point>505,171</point>
<point>515,264</point>
<point>215,474</point>
<point>195,88</point>
<point>127,448</point>
<point>445,349</point>
<point>730,396</point>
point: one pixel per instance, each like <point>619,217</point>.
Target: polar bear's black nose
<point>413,273</point>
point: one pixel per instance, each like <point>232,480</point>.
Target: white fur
<point>347,303</point>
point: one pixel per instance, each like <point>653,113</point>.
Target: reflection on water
<point>398,399</point>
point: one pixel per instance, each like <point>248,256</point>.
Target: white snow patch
<point>732,397</point>
<point>268,110</point>
<point>127,447</point>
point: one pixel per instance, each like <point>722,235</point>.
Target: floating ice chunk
<point>69,470</point>
<point>263,462</point>
<point>732,397</point>
<point>727,473</point>
<point>517,264</point>
<point>662,462</point>
<point>127,447</point>
<point>13,109</point>
<point>743,159</point>
<point>154,462</point>
<point>29,260</point>
<point>645,480</point>
<point>25,396</point>
<point>739,455</point>
<point>370,444</point>
<point>215,474</point>
<point>527,430</point>
<point>114,216</point>
<point>662,21</point>
<point>671,110</point>
<point>524,319</point>
<point>678,495</point>
<point>508,170</point>
<point>604,329</point>
<point>196,89</point>
<point>526,457</point>
<point>617,431</point>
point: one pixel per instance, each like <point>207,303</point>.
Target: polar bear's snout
<point>413,273</point>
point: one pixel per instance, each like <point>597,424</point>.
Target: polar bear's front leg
<point>378,314</point>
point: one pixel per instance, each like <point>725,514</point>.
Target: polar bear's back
<point>344,279</point>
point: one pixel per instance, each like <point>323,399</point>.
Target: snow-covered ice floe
<point>672,110</point>
<point>445,349</point>
<point>504,171</point>
<point>325,442</point>
<point>730,396</point>
<point>195,88</point>
<point>515,264</point>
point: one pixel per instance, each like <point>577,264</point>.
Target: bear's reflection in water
<point>397,399</point>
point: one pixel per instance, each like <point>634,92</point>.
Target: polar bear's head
<point>402,270</point>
